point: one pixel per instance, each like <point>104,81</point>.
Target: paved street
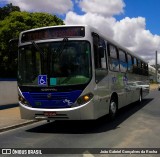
<point>136,126</point>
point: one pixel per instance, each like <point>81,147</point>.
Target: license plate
<point>50,114</point>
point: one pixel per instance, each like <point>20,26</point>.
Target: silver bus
<point>76,73</point>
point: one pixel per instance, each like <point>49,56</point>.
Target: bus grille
<point>48,96</point>
<point>51,100</point>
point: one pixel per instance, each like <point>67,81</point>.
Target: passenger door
<point>101,72</point>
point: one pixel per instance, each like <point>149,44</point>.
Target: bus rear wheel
<point>140,97</point>
<point>112,110</point>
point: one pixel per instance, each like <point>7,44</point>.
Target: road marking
<point>87,154</point>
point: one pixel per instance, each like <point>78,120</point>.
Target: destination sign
<point>52,33</point>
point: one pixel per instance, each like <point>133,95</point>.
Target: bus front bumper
<point>83,112</point>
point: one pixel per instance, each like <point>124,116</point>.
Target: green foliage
<point>11,26</point>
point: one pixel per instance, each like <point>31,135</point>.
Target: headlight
<point>23,100</point>
<point>85,98</point>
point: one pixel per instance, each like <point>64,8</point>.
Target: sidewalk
<point>9,110</point>
<point>10,119</point>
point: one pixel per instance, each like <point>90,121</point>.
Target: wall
<point>8,92</point>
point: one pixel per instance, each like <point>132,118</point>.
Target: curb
<point>17,125</point>
<point>8,106</point>
<point>8,79</point>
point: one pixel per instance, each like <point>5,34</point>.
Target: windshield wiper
<point>42,54</point>
<point>61,47</point>
<point>38,48</point>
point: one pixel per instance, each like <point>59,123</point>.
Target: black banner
<point>40,151</point>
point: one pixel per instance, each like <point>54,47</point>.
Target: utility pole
<point>156,67</point>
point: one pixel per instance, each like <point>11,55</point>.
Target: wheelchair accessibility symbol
<point>42,80</point>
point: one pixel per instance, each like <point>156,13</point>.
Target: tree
<point>6,10</point>
<point>10,28</point>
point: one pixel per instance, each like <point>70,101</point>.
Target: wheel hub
<point>113,107</point>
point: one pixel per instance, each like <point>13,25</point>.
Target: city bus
<point>74,72</point>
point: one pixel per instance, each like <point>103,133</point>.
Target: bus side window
<point>135,67</point>
<point>102,46</point>
<point>146,69</point>
<point>139,67</point>
<point>142,68</point>
<point>130,63</point>
<point>113,58</point>
<point>123,61</point>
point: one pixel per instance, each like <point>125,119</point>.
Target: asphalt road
<point>136,126</point>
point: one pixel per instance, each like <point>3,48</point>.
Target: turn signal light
<point>85,98</point>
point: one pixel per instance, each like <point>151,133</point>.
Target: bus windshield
<point>62,63</point>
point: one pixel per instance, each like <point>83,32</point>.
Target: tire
<point>112,109</point>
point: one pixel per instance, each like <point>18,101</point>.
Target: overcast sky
<point>132,23</point>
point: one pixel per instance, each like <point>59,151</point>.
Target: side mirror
<point>101,51</point>
<point>13,46</point>
<point>12,41</point>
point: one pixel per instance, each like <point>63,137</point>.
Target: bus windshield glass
<point>62,63</point>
